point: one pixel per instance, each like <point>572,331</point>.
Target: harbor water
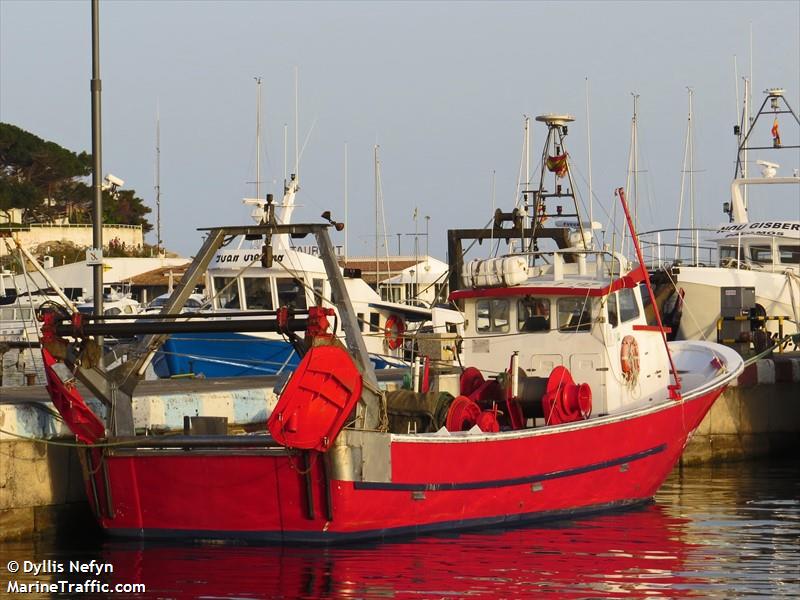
<point>726,531</point>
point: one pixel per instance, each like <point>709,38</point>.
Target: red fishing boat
<point>573,404</point>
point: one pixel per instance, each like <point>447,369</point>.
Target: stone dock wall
<point>757,416</point>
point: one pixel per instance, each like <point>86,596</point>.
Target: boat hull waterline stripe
<point>330,537</point>
<point>480,485</point>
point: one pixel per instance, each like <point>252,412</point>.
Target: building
<point>403,278</point>
<point>34,235</point>
<point>76,279</point>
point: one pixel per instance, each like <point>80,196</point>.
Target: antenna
<point>285,152</point>
<point>296,122</point>
<point>736,84</point>
<point>527,151</point>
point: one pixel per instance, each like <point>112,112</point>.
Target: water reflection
<point>727,532</point>
<point>638,551</point>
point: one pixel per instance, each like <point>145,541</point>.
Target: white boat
<point>116,301</point>
<point>239,281</point>
<point>751,263</point>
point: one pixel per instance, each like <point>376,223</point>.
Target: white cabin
<point>582,315</point>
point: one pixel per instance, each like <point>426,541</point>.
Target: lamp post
<point>97,208</point>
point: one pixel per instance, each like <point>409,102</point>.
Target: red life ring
<point>394,330</point>
<point>629,358</point>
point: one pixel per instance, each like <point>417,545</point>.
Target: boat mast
<point>688,166</point>
<point>635,157</point>
<point>589,160</point>
<point>345,201</point>
<point>258,137</point>
<point>558,163</point>
<point>158,180</point>
<point>377,261</point>
<point>695,240</point>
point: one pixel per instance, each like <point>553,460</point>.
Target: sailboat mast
<point>377,262</point>
<point>158,180</point>
<point>683,180</point>
<point>746,134</point>
<point>691,179</point>
<point>258,137</point>
<point>345,201</point>
<point>589,161</point>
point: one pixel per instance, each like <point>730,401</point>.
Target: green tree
<point>48,182</point>
<point>123,206</point>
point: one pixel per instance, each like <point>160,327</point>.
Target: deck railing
<point>687,246</point>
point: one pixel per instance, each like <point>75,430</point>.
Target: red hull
<point>434,483</point>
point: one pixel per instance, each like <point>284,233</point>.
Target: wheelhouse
<point>582,315</point>
<point>773,246</point>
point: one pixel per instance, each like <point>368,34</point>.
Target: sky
<point>441,88</point>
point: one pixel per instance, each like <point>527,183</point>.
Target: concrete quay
<point>757,416</point>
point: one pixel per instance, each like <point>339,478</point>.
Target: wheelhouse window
<point>374,322</point>
<point>761,254</point>
<point>319,290</point>
<point>291,293</point>
<point>790,255</point>
<point>227,291</point>
<point>728,254</point>
<point>533,314</point>
<point>492,315</point>
<point>628,307</point>
<point>613,310</point>
<point>258,293</point>
<point>391,293</point>
<point>574,314</point>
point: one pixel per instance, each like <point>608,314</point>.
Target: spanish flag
<point>557,164</point>
<point>776,136</point>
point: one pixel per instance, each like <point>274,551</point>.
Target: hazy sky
<point>441,87</point>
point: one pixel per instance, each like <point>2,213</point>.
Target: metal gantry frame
<point>115,387</point>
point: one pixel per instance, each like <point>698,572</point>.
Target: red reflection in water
<point>635,553</point>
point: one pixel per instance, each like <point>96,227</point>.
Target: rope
<point>795,338</point>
